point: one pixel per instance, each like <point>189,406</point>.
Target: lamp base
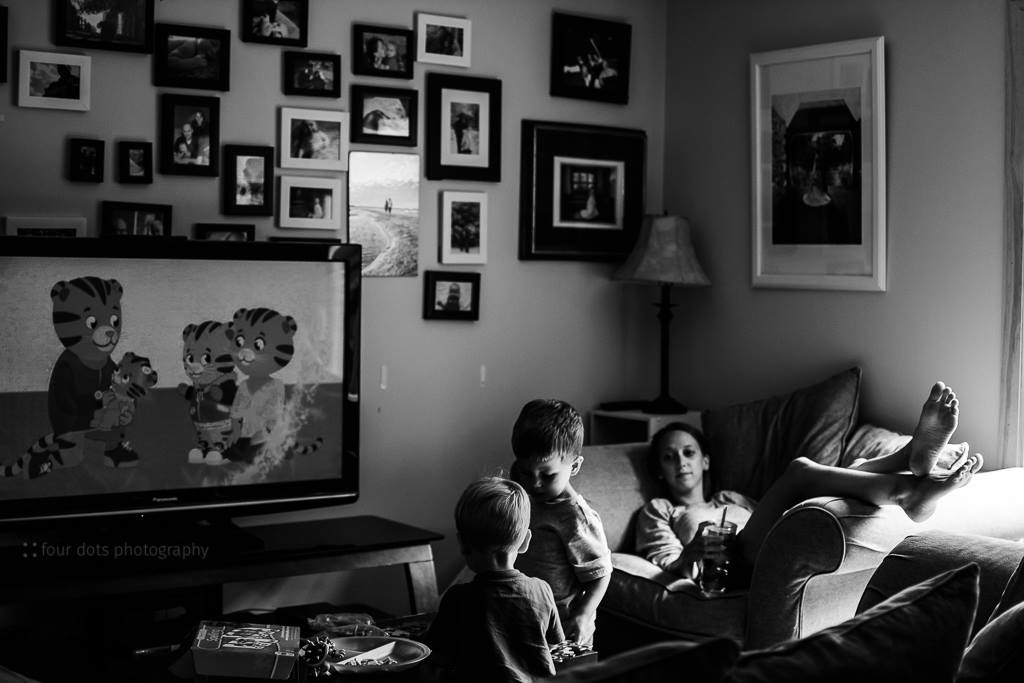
<point>664,405</point>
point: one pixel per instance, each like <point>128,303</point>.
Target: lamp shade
<point>663,255</point>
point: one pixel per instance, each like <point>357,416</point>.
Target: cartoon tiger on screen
<point>210,365</point>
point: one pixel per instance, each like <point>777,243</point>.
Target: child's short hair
<point>547,427</point>
<point>654,453</point>
<point>492,514</point>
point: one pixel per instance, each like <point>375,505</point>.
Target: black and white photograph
<point>134,162</point>
<point>51,80</point>
<point>189,135</point>
<point>122,25</point>
<point>463,127</point>
<point>224,232</point>
<point>463,228</point>
<point>386,116</point>
<point>192,57</point>
<point>314,139</point>
<point>312,74</point>
<point>383,51</point>
<point>384,211</point>
<point>129,219</point>
<point>46,226</point>
<point>443,40</point>
<point>590,58</point>
<point>248,180</point>
<point>308,202</point>
<point>448,295</point>
<point>275,22</point>
<point>85,160</point>
<point>588,193</point>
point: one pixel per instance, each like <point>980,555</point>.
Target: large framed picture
<point>590,58</point>
<point>248,181</point>
<point>818,167</point>
<point>85,160</point>
<point>51,80</point>
<point>314,138</point>
<point>448,295</point>
<point>275,22</point>
<point>189,135</point>
<point>312,74</point>
<point>385,116</point>
<point>582,191</point>
<point>192,57</point>
<point>124,25</point>
<point>130,219</point>
<point>443,40</point>
<point>463,128</point>
<point>384,211</point>
<point>308,202</point>
<point>463,228</point>
<point>385,51</point>
<point>134,162</point>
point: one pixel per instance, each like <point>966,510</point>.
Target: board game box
<point>246,650</point>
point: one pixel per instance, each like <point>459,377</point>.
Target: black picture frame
<point>444,295</point>
<point>224,232</point>
<point>201,153</point>
<point>590,58</point>
<point>384,116</point>
<point>85,160</point>
<point>3,44</point>
<point>373,58</point>
<point>452,153</point>
<point>248,181</point>
<point>197,57</point>
<point>133,219</point>
<point>134,162</point>
<point>74,28</point>
<point>582,191</point>
<point>311,74</point>
<point>275,22</point>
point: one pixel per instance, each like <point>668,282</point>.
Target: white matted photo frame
<point>46,226</point>
<point>818,167</point>
<point>314,139</point>
<point>443,40</point>
<point>463,228</point>
<point>463,128</point>
<point>311,203</point>
<point>54,80</point>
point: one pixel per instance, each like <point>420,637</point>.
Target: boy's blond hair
<point>492,514</point>
<point>547,427</point>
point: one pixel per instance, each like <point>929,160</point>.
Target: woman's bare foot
<point>938,421</point>
<point>925,492</point>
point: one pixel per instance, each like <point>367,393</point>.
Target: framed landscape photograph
<point>583,191</point>
<point>590,58</point>
<point>46,226</point>
<point>314,138</point>
<point>448,295</point>
<point>385,51</point>
<point>275,22</point>
<point>51,80</point>
<point>135,162</point>
<point>189,135</point>
<point>124,25</point>
<point>384,211</point>
<point>192,57</point>
<point>129,219</point>
<point>385,116</point>
<point>248,181</point>
<point>314,203</point>
<point>443,40</point>
<point>463,128</point>
<point>225,232</point>
<point>818,167</point>
<point>85,160</point>
<point>463,228</point>
<point>313,74</point>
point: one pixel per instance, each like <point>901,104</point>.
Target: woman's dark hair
<point>654,451</point>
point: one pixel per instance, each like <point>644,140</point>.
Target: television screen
<point>148,374</point>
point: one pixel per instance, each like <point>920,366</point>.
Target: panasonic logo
<point>173,499</point>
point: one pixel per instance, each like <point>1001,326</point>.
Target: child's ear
<point>525,545</point>
<point>706,462</point>
<point>576,465</point>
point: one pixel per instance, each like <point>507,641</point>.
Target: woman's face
<point>681,464</point>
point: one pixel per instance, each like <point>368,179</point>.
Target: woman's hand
<point>701,546</point>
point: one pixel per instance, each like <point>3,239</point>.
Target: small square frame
<point>171,69</point>
<point>365,61</point>
<point>131,171</point>
<point>443,40</point>
<point>35,68</point>
<point>300,145</point>
<point>289,26</point>
<point>303,74</point>
<point>139,39</point>
<point>175,112</point>
<point>224,232</point>
<point>452,126</point>
<point>138,219</point>
<point>86,160</point>
<point>444,293</point>
<point>376,123</point>
<point>302,192</point>
<point>243,181</point>
<point>460,243</point>
<point>590,58</point>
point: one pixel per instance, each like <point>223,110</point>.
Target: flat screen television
<point>152,375</point>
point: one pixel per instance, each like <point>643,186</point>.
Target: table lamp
<point>663,255</point>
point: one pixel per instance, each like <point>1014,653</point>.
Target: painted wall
<point>545,329</point>
<point>941,315</point>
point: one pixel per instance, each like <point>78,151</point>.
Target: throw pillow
<point>995,654</point>
<point>751,444</point>
<point>1012,593</point>
<point>673,661</point>
<point>919,634</point>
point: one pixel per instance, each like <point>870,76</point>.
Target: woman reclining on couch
<point>670,530</point>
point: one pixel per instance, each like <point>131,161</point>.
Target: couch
<point>818,558</point>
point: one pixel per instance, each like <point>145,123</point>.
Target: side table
<point>631,426</point>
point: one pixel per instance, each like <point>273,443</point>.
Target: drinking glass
<point>714,570</point>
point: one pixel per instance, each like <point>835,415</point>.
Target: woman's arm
<point>657,542</point>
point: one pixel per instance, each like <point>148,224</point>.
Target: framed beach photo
<point>449,295</point>
<point>385,51</point>
<point>123,25</point>
<point>248,181</point>
<point>463,128</point>
<point>590,58</point>
<point>313,203</point>
<point>384,116</point>
<point>312,74</point>
<point>224,232</point>
<point>51,80</point>
<point>85,160</point>
<point>192,57</point>
<point>134,162</point>
<point>314,138</point>
<point>130,219</point>
<point>443,40</point>
<point>189,135</point>
<point>463,228</point>
<point>275,22</point>
<point>46,226</point>
<point>818,167</point>
<point>384,211</point>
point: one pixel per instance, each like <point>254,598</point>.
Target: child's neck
<point>489,561</point>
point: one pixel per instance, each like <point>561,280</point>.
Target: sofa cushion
<point>752,443</point>
<point>995,655</point>
<point>917,635</point>
<point>1013,592</point>
<point>614,479</point>
<point>672,661</point>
